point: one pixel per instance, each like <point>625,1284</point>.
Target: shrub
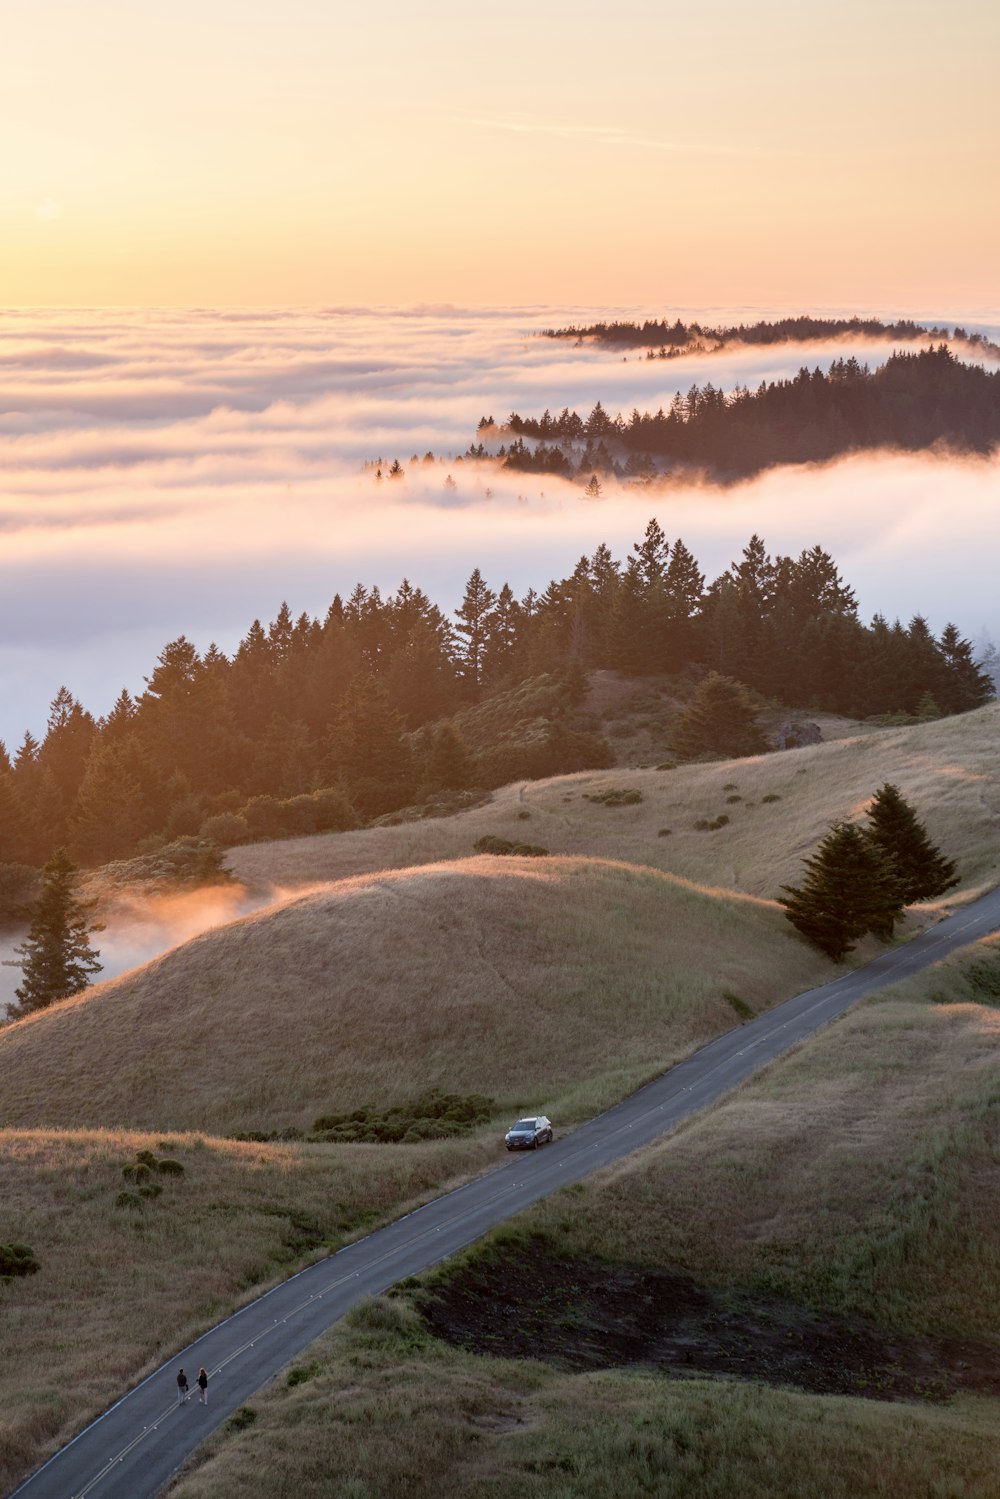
<point>710,825</point>
<point>150,1189</point>
<point>301,1373</point>
<point>435,1115</point>
<point>664,833</point>
<point>242,1418</point>
<point>17,1259</point>
<point>732,800</point>
<point>772,796</point>
<point>130,1200</point>
<point>226,829</point>
<point>170,1168</point>
<point>523,816</point>
<point>491,845</point>
<point>615,796</point>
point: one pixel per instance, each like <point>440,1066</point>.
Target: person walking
<point>202,1387</point>
<point>182,1387</point>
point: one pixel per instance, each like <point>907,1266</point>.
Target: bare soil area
<point>587,1314</point>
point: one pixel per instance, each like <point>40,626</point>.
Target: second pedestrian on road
<point>202,1386</point>
<point>182,1387</point>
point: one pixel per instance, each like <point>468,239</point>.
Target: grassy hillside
<point>507,977</point>
<point>858,1178</point>
<point>384,1412</point>
<point>949,770</point>
<point>121,1286</point>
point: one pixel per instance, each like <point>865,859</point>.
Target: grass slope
<point>948,769</point>
<point>860,1175</point>
<point>508,977</point>
<point>119,1288</point>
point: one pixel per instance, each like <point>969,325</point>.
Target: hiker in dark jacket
<point>203,1386</point>
<point>182,1387</point>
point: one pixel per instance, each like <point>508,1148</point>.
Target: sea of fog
<point>169,472</point>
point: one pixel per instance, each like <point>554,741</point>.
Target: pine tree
<point>922,870</point>
<point>850,889</point>
<point>473,625</point>
<point>57,959</point>
<point>720,720</point>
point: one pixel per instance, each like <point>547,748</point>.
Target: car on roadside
<point>528,1134</point>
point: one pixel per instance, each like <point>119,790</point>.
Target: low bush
<point>710,825</point>
<point>492,845</point>
<point>433,1116</point>
<point>242,1418</point>
<point>17,1259</point>
<point>772,796</point>
<point>615,796</point>
<point>130,1200</point>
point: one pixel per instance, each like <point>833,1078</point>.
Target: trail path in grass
<point>132,1451</point>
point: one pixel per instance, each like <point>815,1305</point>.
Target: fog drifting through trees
<point>186,471</point>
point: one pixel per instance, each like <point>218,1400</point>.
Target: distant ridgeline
<point>912,402</point>
<point>317,724</point>
<point>667,340</point>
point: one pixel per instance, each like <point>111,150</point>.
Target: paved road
<point>133,1449</point>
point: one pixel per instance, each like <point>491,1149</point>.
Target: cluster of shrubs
<point>434,1116</point>
<point>615,796</point>
<point>711,824</point>
<point>17,1259</point>
<point>142,1173</point>
<point>265,817</point>
<point>490,845</point>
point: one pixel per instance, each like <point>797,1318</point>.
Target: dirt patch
<point>584,1315</point>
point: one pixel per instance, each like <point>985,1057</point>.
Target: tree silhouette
<point>57,959</point>
<point>921,869</point>
<point>850,888</point>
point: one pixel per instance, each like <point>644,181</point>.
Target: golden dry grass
<point>862,1172</point>
<point>557,983</point>
<point>950,770</point>
<point>390,1415</point>
<point>118,1289</point>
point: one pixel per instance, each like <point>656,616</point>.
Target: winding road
<point>133,1449</point>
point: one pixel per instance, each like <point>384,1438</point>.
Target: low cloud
<point>186,471</point>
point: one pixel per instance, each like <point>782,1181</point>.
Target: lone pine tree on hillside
<point>850,888</point>
<point>57,959</point>
<point>921,869</point>
<point>720,719</point>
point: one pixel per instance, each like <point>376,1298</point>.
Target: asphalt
<point>133,1449</point>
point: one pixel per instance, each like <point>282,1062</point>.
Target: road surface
<point>134,1448</point>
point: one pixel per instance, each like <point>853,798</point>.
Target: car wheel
<point>534,1143</point>
<point>548,1136</point>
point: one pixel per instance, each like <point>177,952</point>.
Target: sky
<point>210,152</point>
<point>168,472</point>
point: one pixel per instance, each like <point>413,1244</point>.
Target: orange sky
<point>787,152</point>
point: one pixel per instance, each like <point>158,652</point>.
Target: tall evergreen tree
<point>57,959</point>
<point>473,615</point>
<point>922,870</point>
<point>850,888</point>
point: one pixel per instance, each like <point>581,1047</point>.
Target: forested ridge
<point>913,402</point>
<point>314,723</point>
<point>665,339</point>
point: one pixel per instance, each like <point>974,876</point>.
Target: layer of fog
<point>139,927</point>
<point>168,472</point>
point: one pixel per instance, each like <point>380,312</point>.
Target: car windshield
<point>525,1124</point>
